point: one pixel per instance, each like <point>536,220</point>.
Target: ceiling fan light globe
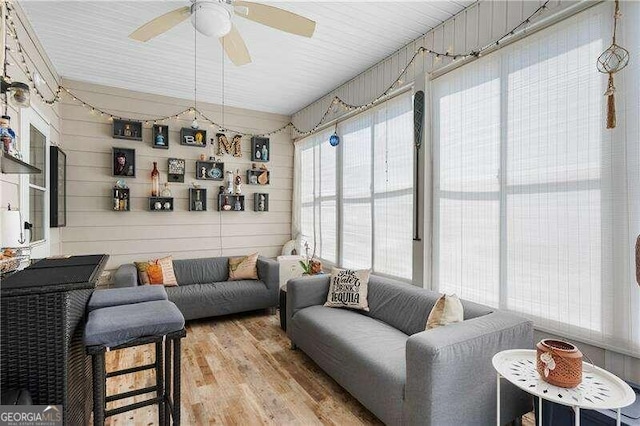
<point>211,19</point>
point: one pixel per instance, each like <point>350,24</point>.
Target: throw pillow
<point>154,271</point>
<point>158,271</point>
<point>243,268</point>
<point>447,310</point>
<point>348,289</point>
<point>143,275</point>
<point>168,276</point>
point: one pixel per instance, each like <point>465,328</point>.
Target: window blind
<point>535,207</point>
<point>316,178</point>
<point>360,194</point>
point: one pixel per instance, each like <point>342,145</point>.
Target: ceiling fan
<point>214,18</point>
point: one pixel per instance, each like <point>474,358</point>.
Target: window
<point>37,184</point>
<point>532,194</point>
<point>357,199</point>
<point>316,163</point>
<point>377,189</point>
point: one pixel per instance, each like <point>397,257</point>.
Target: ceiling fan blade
<point>161,24</point>
<point>235,48</point>
<point>275,18</point>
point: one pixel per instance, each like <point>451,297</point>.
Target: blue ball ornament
<point>334,140</point>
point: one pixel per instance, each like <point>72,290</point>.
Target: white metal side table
<point>599,389</point>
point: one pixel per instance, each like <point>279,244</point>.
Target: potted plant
<point>310,266</point>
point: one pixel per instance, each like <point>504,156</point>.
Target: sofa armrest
<point>126,276</point>
<point>450,378</point>
<point>305,291</point>
<point>269,273</point>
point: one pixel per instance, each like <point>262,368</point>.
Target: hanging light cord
<point>616,16</point>
<point>223,83</point>
<point>222,130</point>
<point>195,62</point>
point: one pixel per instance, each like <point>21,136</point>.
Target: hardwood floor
<point>239,370</point>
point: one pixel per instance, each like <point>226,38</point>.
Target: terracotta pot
<point>559,363</point>
<point>315,266</point>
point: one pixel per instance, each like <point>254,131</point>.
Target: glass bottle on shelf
<point>166,192</point>
<point>155,180</point>
<point>198,203</point>
<point>225,203</point>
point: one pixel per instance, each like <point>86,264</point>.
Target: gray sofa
<point>401,373</point>
<point>203,290</point>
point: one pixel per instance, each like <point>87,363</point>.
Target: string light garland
<point>335,103</point>
<point>13,33</point>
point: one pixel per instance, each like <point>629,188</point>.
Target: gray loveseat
<point>401,373</point>
<point>203,290</point>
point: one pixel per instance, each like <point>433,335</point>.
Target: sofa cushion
<point>125,296</point>
<point>117,325</point>
<point>201,271</point>
<point>220,298</point>
<point>406,307</point>
<point>364,355</point>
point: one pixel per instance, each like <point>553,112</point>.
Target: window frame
<point>33,117</point>
<point>371,198</point>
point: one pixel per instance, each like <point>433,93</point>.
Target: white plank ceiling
<point>87,41</point>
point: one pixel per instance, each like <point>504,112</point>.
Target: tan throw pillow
<point>447,310</point>
<point>348,289</point>
<point>168,276</point>
<point>158,271</point>
<point>243,268</point>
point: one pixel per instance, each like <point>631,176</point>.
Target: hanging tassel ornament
<point>611,103</point>
<point>611,61</point>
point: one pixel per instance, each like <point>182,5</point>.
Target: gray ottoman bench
<point>128,317</point>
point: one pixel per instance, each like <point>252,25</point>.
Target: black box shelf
<point>256,202</point>
<point>253,176</point>
<point>176,169</point>
<point>230,201</point>
<point>160,136</point>
<point>125,129</point>
<point>162,201</point>
<point>197,200</point>
<point>213,170</point>
<point>121,199</point>
<point>260,149</point>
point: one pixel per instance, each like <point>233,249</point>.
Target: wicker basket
<point>9,264</point>
<point>559,363</point>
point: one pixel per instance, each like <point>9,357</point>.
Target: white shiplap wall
<point>476,26</point>
<point>37,60</point>
<point>92,227</point>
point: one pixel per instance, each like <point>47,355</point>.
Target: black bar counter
<point>42,311</point>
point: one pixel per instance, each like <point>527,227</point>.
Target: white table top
<point>599,389</point>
